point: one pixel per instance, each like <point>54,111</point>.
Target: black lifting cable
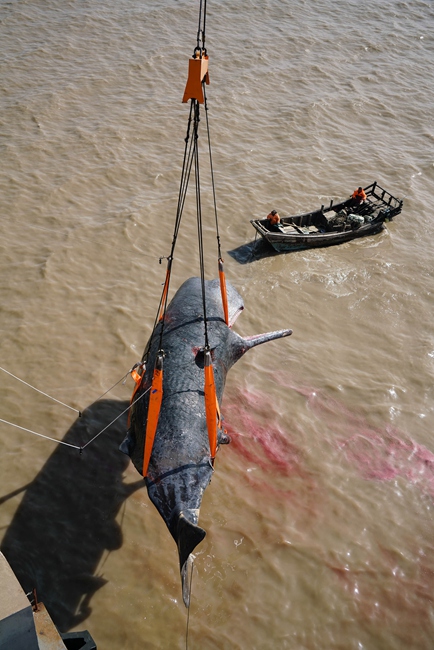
<point>212,173</point>
<point>185,176</point>
<point>201,31</point>
<point>199,218</point>
<point>190,156</point>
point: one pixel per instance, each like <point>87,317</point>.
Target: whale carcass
<point>179,468</point>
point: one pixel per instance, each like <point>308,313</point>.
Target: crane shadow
<point>66,521</point>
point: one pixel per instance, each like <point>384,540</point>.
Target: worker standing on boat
<point>273,220</point>
<point>359,196</point>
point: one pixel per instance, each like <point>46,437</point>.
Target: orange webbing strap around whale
<point>138,381</point>
<point>223,291</point>
<point>210,405</point>
<point>155,397</point>
<point>136,376</point>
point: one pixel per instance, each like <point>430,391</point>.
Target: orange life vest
<point>359,194</point>
<point>273,218</point>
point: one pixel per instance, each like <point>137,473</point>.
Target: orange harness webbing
<point>138,380</point>
<point>211,408</point>
<point>154,407</point>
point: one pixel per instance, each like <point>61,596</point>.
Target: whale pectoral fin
<point>224,438</point>
<point>252,341</point>
<point>241,345</point>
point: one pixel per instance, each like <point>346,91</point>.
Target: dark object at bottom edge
<point>78,641</point>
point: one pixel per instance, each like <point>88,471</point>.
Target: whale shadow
<point>66,523</point>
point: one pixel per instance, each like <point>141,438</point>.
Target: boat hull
<point>332,225</point>
<point>302,242</point>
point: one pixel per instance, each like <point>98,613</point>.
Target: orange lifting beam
<point>197,74</point>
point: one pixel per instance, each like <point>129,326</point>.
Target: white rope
<point>60,442</point>
<point>117,418</point>
<point>40,391</point>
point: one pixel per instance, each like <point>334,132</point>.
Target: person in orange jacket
<point>359,196</point>
<point>273,219</point>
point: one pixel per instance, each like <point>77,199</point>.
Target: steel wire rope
<point>189,155</point>
<point>62,442</point>
<point>116,418</point>
<point>212,172</point>
<point>41,435</point>
<point>185,176</point>
<point>122,379</point>
<point>199,25</point>
<point>199,30</point>
<point>41,391</point>
<point>199,218</point>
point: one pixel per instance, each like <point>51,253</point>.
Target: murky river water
<point>319,516</point>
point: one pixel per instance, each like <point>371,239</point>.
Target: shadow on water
<point>66,522</point>
<point>252,251</point>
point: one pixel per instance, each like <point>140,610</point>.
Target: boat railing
<point>382,195</point>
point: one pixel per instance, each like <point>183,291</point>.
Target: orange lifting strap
<point>210,405</point>
<point>223,291</point>
<point>135,374</point>
<point>153,412</point>
<point>197,73</point>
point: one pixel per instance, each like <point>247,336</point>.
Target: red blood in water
<point>377,453</point>
<point>268,446</point>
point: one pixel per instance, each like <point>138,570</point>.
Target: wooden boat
<point>334,224</point>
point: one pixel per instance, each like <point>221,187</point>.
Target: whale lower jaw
<point>187,536</point>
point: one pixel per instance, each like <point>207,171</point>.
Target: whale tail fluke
<point>188,536</point>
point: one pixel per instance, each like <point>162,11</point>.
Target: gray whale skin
<point>179,468</point>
